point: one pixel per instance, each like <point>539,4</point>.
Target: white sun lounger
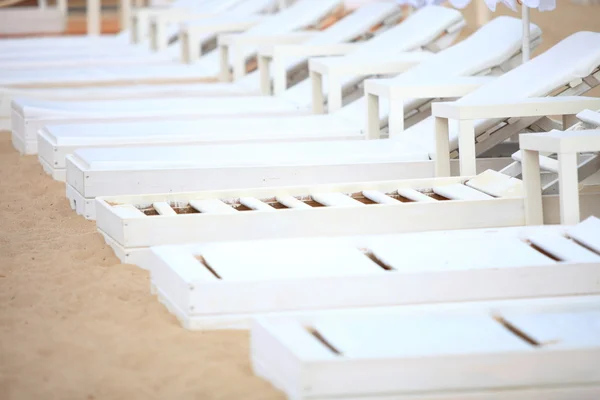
<point>116,171</point>
<point>226,284</point>
<point>10,48</point>
<point>239,18</point>
<point>442,26</point>
<point>348,28</point>
<point>550,353</point>
<point>302,14</point>
<point>131,224</point>
<point>58,140</point>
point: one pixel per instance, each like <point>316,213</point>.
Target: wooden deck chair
<point>132,224</point>
<point>330,40</point>
<point>409,35</point>
<point>227,284</point>
<point>301,15</point>
<point>349,28</point>
<point>238,18</point>
<point>22,46</point>
<point>516,350</point>
<point>575,60</point>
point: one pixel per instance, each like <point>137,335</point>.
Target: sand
<point>76,324</point>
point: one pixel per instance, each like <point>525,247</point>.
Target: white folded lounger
<point>225,285</point>
<point>347,29</point>
<point>55,141</point>
<point>549,350</point>
<point>132,224</point>
<point>223,17</point>
<point>301,14</point>
<point>138,170</point>
<point>410,35</point>
<point>77,51</point>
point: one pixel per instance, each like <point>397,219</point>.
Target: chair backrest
<point>490,46</point>
<point>573,58</point>
<point>417,31</point>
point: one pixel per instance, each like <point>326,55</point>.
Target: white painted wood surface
<point>227,280</point>
<point>437,354</point>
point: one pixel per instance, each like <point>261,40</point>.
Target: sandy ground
<point>76,324</point>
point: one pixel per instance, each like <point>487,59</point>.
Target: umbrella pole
<point>526,34</point>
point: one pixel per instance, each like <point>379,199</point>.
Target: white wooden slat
<point>163,208</point>
<point>254,261</point>
<point>426,336</point>
<point>379,197</point>
<point>459,191</point>
<point>127,211</point>
<point>212,206</point>
<point>415,195</point>
<point>563,248</point>
<point>496,184</point>
<point>590,117</point>
<point>587,233</point>
<point>413,254</point>
<point>256,204</point>
<point>292,202</point>
<point>560,329</point>
<point>546,163</point>
<point>335,200</point>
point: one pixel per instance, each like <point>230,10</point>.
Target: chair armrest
<point>507,108</point>
<point>272,57</point>
<point>337,67</point>
<point>397,93</point>
<point>466,112</point>
<point>231,45</point>
<point>561,141</point>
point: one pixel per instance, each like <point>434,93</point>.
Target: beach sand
<point>76,324</point>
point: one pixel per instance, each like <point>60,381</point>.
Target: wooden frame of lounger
<point>132,224</point>
<point>301,358</point>
<point>197,285</point>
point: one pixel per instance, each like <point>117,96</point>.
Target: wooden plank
<point>263,261</point>
<point>496,184</point>
<point>427,336</point>
<point>459,191</point>
<point>163,208</point>
<point>255,204</point>
<point>380,198</point>
<point>335,200</point>
<point>413,254</point>
<point>561,329</point>
<point>127,211</point>
<point>212,206</point>
<point>415,195</point>
<point>587,233</point>
<point>292,202</point>
<point>546,163</point>
<point>562,248</point>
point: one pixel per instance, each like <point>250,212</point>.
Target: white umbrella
<point>542,5</point>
